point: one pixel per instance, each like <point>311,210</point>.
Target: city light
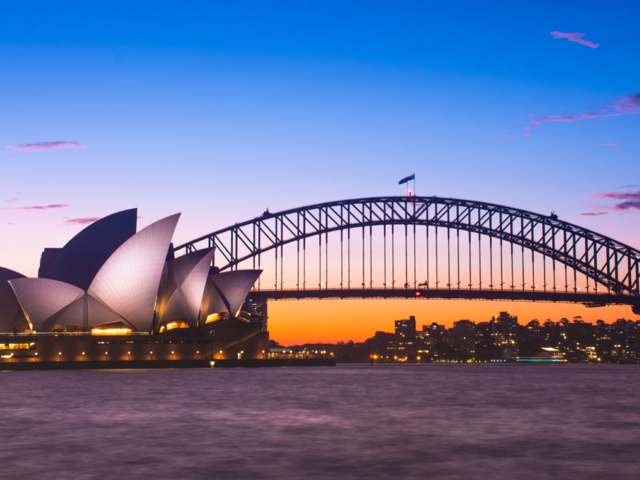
<point>111,331</point>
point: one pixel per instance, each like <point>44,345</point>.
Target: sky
<point>219,110</point>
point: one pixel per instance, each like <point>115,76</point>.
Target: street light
<point>213,335</point>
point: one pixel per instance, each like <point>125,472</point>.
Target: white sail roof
<point>234,287</point>
<point>128,281</point>
<point>41,298</point>
<point>185,286</point>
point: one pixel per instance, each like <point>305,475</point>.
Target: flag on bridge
<point>407,179</point>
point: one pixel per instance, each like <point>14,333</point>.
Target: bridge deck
<point>588,299</point>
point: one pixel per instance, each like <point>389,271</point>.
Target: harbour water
<point>349,421</point>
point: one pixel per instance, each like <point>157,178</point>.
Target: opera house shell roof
<point>109,274</point>
<point>10,311</point>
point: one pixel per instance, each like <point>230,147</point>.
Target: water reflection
<point>409,421</point>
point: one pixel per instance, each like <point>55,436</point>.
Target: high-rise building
<point>504,328</point>
<point>406,329</point>
<point>464,336</point>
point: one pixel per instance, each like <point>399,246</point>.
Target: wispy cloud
<point>623,201</point>
<point>538,120</point>
<point>593,214</point>
<point>607,144</point>
<point>327,184</point>
<point>37,208</point>
<point>627,105</point>
<point>575,37</point>
<point>44,146</point>
<point>12,200</point>
<point>81,221</point>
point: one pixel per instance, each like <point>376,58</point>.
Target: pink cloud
<point>628,105</point>
<point>563,118</point>
<point>12,200</point>
<point>81,221</point>
<point>607,144</point>
<point>37,208</point>
<point>625,105</point>
<point>44,146</point>
<point>575,37</point>
<point>624,201</point>
<point>592,214</point>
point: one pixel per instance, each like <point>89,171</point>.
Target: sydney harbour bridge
<point>426,247</point>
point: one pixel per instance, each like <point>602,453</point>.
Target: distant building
<point>464,336</point>
<point>406,330</point>
<point>384,337</point>
<point>433,332</point>
<point>504,328</point>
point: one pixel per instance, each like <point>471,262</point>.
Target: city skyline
<point>500,339</point>
<point>249,108</point>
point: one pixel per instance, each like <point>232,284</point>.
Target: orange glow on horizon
<point>331,321</point>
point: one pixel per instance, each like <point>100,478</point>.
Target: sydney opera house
<point>112,293</point>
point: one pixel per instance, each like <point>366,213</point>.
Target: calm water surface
<point>357,421</point>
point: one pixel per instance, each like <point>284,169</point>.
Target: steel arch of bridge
<point>605,261</point>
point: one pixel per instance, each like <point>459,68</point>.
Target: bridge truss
<point>428,244</point>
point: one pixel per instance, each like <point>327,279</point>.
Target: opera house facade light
<point>110,278</point>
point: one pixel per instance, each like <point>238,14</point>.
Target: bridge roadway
<point>587,299</point>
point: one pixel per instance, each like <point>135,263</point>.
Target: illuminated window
<point>217,316</point>
<point>173,324</point>
<point>14,346</point>
<point>115,328</point>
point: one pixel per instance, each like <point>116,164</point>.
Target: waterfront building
<point>110,280</point>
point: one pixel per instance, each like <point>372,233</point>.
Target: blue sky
<point>222,109</point>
